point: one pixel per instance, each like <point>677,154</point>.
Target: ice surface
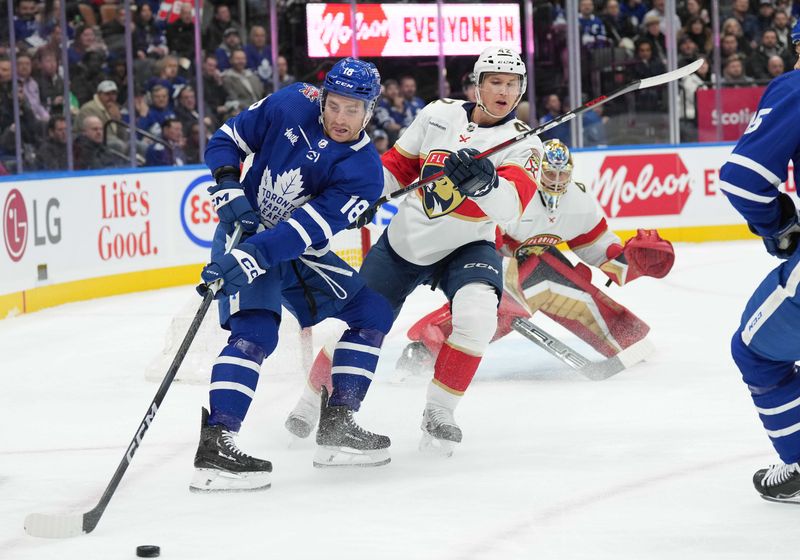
<point>653,463</point>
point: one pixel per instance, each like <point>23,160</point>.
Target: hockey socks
<point>354,361</point>
<point>779,410</point>
<point>453,372</point>
<point>234,378</point>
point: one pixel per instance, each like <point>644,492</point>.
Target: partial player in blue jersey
<point>314,170</point>
<point>767,343</point>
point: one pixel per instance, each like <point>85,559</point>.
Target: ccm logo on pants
<point>481,265</point>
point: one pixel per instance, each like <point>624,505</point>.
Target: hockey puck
<point>148,551</point>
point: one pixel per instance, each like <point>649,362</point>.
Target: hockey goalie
<point>540,278</point>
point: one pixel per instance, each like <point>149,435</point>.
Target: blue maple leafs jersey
<point>305,186</point>
<point>759,162</point>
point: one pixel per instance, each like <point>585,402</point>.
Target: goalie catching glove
<point>235,269</point>
<point>647,254</point>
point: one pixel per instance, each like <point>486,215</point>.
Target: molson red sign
<point>411,29</point>
<point>642,185</point>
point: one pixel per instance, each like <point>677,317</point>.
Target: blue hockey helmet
<point>354,78</point>
<point>796,33</point>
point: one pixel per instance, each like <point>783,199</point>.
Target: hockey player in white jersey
<point>443,235</point>
<point>540,278</point>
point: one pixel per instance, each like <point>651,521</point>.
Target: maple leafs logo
<point>278,198</point>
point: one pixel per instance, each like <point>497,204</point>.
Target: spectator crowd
<point>621,40</point>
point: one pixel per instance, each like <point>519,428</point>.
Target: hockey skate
<point>779,483</point>
<point>440,433</point>
<point>221,467</point>
<point>303,417</point>
<point>416,359</point>
<point>341,442</point>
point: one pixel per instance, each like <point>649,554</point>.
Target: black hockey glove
<point>783,243</point>
<point>471,177</point>
<point>364,219</point>
<point>231,203</point>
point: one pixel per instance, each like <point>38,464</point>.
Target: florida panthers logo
<point>537,245</point>
<point>441,197</point>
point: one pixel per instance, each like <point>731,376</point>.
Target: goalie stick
<point>596,371</point>
<point>645,83</point>
<point>56,526</point>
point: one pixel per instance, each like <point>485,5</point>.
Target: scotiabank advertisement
<point>62,229</point>
<point>738,106</point>
<point>675,187</point>
<point>411,29</point>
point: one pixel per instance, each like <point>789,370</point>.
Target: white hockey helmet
<point>556,172</point>
<point>499,60</point>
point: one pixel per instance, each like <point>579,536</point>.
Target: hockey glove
<point>783,243</point>
<point>236,269</point>
<point>231,204</point>
<point>648,254</point>
<point>364,219</point>
<point>470,176</point>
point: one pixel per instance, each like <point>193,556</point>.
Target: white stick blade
<point>54,526</point>
<point>636,353</point>
<point>667,77</point>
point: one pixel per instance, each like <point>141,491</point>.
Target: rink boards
<point>69,237</point>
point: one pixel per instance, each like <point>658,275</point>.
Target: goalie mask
<point>496,60</point>
<point>556,173</point>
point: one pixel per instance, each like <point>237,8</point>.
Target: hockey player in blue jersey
<point>766,345</point>
<point>314,171</point>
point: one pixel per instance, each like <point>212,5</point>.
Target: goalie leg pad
<point>564,294</point>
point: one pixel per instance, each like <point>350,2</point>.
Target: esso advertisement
<point>411,29</point>
<point>198,218</point>
<point>642,185</point>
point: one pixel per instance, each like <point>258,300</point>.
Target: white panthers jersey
<point>434,221</point>
<point>578,220</point>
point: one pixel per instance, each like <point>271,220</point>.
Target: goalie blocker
<point>542,279</point>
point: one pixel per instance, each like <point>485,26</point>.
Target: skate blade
<point>794,500</point>
<point>330,456</point>
<point>436,447</point>
<point>215,480</point>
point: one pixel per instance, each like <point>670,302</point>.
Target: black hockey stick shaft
<point>58,526</point>
<point>91,518</point>
<point>667,77</point>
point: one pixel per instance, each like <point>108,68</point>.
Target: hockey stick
<point>596,371</point>
<point>653,81</point>
<point>57,526</point>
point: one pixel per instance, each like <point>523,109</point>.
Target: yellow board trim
<point>56,294</point>
<point>42,297</point>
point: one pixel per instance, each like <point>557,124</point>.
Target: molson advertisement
<point>411,29</point>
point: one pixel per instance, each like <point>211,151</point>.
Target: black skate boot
<point>343,443</point>
<point>440,433</point>
<point>221,467</point>
<point>779,483</point>
<point>416,359</point>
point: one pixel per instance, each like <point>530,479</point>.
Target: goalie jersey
<point>304,186</point>
<point>578,220</point>
<point>759,162</point>
<point>434,221</point>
